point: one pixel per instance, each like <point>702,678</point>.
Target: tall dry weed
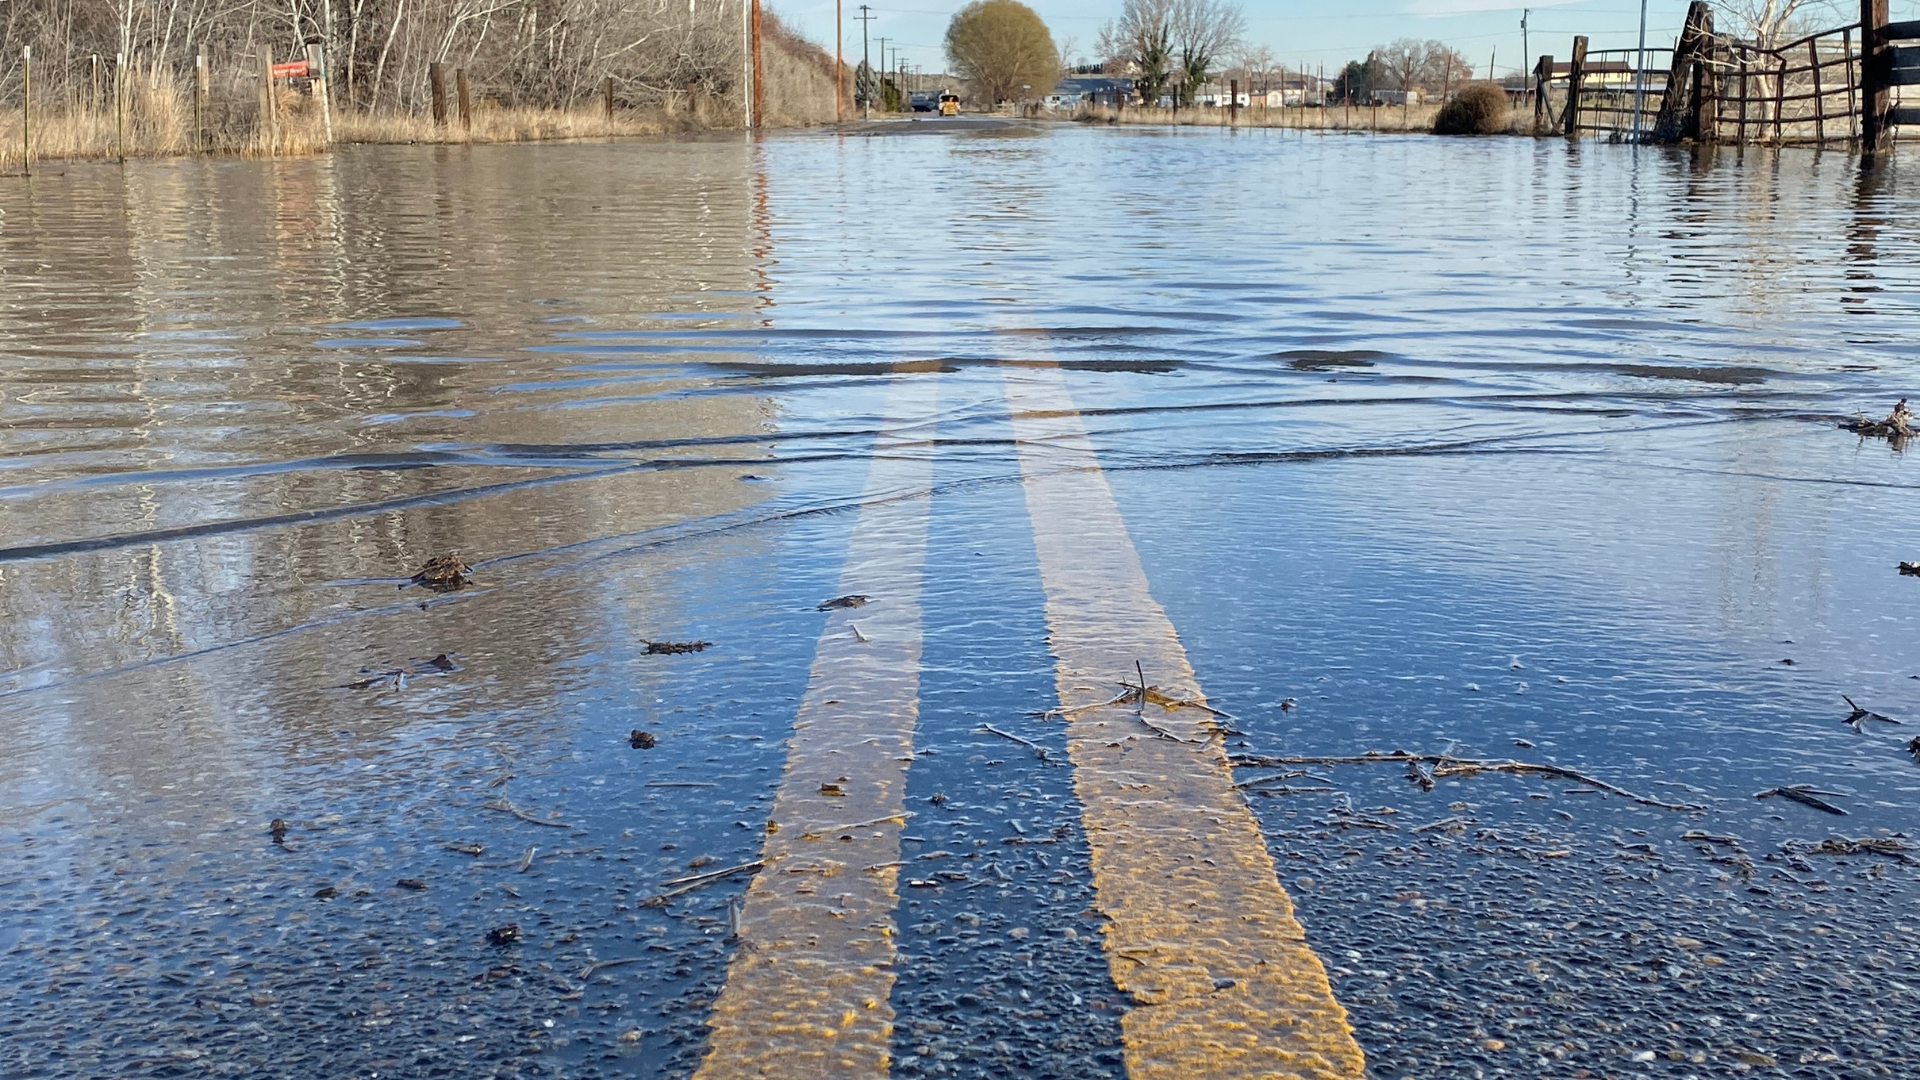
<point>161,117</point>
<point>1314,118</point>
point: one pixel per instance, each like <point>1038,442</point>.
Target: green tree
<point>1356,81</point>
<point>1003,48</point>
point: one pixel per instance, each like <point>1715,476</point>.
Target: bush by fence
<point>1479,109</point>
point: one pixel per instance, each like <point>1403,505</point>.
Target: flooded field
<point>906,577</point>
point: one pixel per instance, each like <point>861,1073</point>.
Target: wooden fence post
<point>269,107</point>
<point>200,100</point>
<point>1819,95</point>
<point>1876,75</point>
<point>1681,114</point>
<point>120,106</point>
<point>1233,109</point>
<point>317,71</point>
<point>1853,83</point>
<point>606,92</point>
<point>1576,72</point>
<point>1542,82</point>
<point>1742,127</point>
<point>437,85</point>
<point>26,110</point>
<point>466,102</point>
<point>1705,121</point>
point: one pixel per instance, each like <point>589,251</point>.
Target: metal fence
<point>1805,91</point>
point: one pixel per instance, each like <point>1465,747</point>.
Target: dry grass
<point>1393,118</point>
<point>799,78</point>
<point>1313,118</point>
<point>159,122</point>
<point>160,118</point>
<point>495,125</point>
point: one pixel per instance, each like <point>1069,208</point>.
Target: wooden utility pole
<point>466,102</point>
<point>200,99</point>
<point>1876,77</point>
<point>839,68</point>
<point>437,87</point>
<point>759,83</point>
<point>1576,72</point>
<point>269,122</point>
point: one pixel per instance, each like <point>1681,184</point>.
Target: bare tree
<point>1203,32</point>
<point>533,52</point>
<point>1769,23</point>
<point>1405,61</point>
<point>1447,67</point>
<point>1254,63</point>
<point>1070,57</point>
<point>1142,40</point>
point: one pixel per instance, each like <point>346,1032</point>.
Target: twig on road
<point>1045,755</point>
<point>1444,765</point>
<point>506,807</point>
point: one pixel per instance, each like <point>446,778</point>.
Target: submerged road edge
<point>1200,933</point>
<point>807,989</point>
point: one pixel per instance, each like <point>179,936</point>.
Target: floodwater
<point>1490,448</point>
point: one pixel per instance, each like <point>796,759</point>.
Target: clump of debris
<point>675,648</point>
<point>443,573</point>
<point>1897,427</point>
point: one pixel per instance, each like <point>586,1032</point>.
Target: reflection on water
<point>202,350</point>
<point>240,402</point>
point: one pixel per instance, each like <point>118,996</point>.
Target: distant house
<point>1293,91</point>
<point>1217,96</point>
<point>1089,89</point>
<point>1270,91</point>
<point>1607,74</point>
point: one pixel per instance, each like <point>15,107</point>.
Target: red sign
<point>295,70</point>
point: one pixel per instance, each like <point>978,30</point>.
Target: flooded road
<point>1481,451</point>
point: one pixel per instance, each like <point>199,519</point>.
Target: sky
<point>1307,32</point>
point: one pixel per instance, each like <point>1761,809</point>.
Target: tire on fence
<point>1479,109</point>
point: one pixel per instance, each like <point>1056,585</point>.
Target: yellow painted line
<point>1199,932</point>
<point>806,991</point>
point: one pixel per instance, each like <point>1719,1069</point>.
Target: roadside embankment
<point>180,98</point>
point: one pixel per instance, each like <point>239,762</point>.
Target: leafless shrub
<point>1479,109</point>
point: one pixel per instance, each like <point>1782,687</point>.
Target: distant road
<point>930,125</point>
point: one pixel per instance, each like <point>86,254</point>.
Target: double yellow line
<point>806,992</point>
<point>1199,932</point>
